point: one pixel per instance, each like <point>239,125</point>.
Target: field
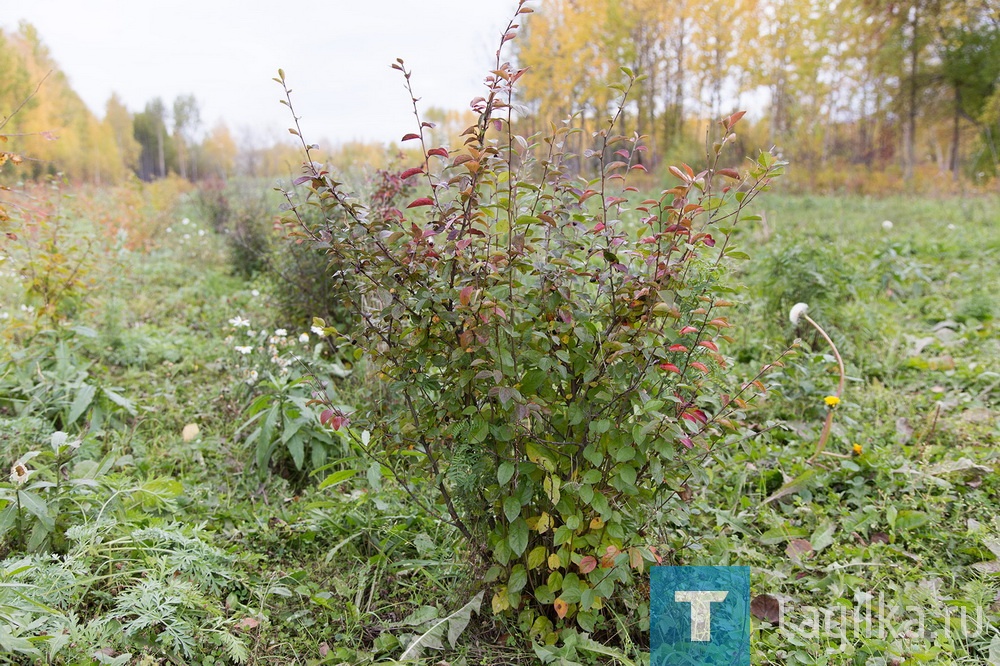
<point>177,521</point>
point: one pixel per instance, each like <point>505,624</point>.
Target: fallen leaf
<point>766,607</point>
<point>189,432</point>
<point>797,548</point>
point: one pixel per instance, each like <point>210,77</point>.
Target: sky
<point>336,56</point>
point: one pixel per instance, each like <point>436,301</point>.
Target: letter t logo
<point>701,610</point>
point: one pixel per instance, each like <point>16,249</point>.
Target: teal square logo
<point>699,616</point>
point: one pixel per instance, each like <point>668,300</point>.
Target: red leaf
<point>586,195</point>
<point>731,173</point>
<point>410,137</point>
<point>466,296</point>
<point>700,366</point>
<point>598,227</point>
<point>411,172</point>
<point>670,367</point>
<point>422,201</point>
<point>325,417</point>
<point>678,348</point>
<point>687,442</point>
<point>688,329</point>
<point>733,119</point>
<point>440,152</point>
<point>708,240</point>
<point>587,564</point>
<point>708,344</point>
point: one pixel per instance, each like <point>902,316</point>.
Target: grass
<point>344,574</point>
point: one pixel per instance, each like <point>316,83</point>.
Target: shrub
<point>553,342</point>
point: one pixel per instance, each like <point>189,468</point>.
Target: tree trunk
<point>955,134</point>
<point>910,152</point>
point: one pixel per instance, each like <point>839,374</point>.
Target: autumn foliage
<point>549,345</point>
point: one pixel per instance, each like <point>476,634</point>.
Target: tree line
<point>53,131</point>
<point>876,83</point>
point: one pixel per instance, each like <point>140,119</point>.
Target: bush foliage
<point>551,345</point>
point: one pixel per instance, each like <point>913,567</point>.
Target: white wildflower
<point>798,310</point>
<point>60,439</point>
<point>304,338</point>
<point>254,292</point>
<point>887,224</point>
<point>201,232</point>
<point>170,230</point>
<point>185,221</point>
<point>951,227</point>
<point>281,333</point>
<point>243,350</point>
<point>238,321</point>
<point>318,330</point>
<point>19,474</point>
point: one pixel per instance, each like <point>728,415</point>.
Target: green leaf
<point>517,537</point>
<point>532,381</point>
<point>518,579</point>
<point>297,448</point>
<point>505,472</point>
<point>537,556</point>
<point>777,535</point>
<point>122,402</point>
<point>36,506</point>
<point>81,402</point>
<point>337,477</point>
<point>511,509</point>
<point>910,520</point>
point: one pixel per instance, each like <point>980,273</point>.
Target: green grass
<point>347,574</point>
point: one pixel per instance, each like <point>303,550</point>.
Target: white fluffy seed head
<point>798,310</point>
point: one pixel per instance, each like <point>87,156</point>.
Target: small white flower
<point>170,230</point>
<point>304,338</point>
<point>318,330</point>
<point>60,439</point>
<point>243,350</point>
<point>253,375</point>
<point>798,310</point>
<point>185,221</point>
<point>251,333</point>
<point>201,232</point>
<point>281,333</point>
<point>887,224</point>
<point>254,292</point>
<point>951,227</point>
<point>19,474</point>
<point>187,236</point>
<point>238,321</point>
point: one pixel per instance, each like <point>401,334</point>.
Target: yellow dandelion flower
<point>857,449</point>
<point>831,401</point>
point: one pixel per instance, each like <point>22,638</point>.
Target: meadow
<point>184,498</point>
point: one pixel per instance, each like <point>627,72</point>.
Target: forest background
<point>865,96</point>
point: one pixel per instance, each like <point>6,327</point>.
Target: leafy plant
<point>551,342</point>
<point>282,408</point>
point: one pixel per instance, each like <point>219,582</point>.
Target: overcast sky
<point>336,56</point>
